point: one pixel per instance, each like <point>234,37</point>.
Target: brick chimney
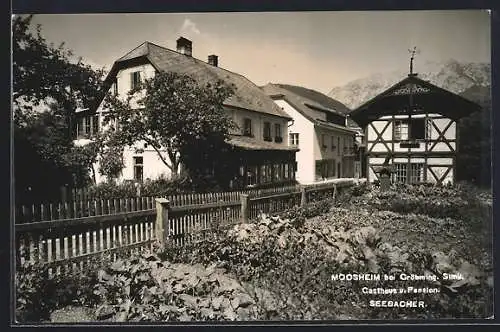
<point>213,60</point>
<point>184,46</point>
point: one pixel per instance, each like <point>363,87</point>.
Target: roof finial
<point>412,52</point>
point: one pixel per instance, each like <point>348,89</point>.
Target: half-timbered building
<point>412,126</point>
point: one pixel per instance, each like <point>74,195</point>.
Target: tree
<point>111,156</point>
<point>44,153</point>
<point>474,151</point>
<point>180,119</point>
<point>43,72</point>
<point>46,158</point>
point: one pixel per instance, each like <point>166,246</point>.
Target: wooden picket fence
<point>72,239</point>
<point>96,207</point>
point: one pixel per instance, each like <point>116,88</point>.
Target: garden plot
<point>280,267</point>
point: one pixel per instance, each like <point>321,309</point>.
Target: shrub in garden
<point>37,294</point>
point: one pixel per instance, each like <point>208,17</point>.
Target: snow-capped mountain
<point>451,75</point>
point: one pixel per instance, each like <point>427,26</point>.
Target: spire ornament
<point>413,52</point>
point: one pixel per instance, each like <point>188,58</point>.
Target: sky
<point>318,50</point>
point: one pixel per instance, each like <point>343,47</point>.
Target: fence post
<point>334,192</point>
<point>303,197</point>
<point>245,204</point>
<point>161,225</point>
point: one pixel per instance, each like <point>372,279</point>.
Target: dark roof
<point>247,95</point>
<point>428,97</point>
<point>249,143</point>
<point>306,101</point>
<point>316,97</point>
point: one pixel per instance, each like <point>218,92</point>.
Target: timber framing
<point>426,96</point>
<point>435,153</point>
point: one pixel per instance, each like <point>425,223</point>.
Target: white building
<point>421,145</point>
<point>321,130</point>
<point>260,156</point>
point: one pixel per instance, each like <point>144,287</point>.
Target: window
<point>416,173</point>
<point>399,174</point>
<point>332,143</point>
<point>338,146</point>
<point>95,124</point>
<point>428,129</point>
<point>265,173</point>
<point>331,168</point>
<point>87,125</point>
<point>277,133</point>
<point>417,129</point>
<point>247,127</point>
<point>323,141</point>
<point>251,175</point>
<point>278,172</point>
<point>135,79</point>
<point>401,130</point>
<point>294,139</point>
<point>138,169</point>
<point>81,130</point>
<point>322,167</point>
<point>267,132</point>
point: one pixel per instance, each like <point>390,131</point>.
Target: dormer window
<point>135,79</point>
<point>247,127</point>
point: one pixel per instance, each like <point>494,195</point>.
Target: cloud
<point>189,28</point>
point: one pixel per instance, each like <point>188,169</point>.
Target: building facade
<point>259,153</point>
<point>412,127</point>
<point>320,129</point>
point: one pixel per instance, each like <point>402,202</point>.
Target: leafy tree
<point>474,154</point>
<point>43,72</point>
<point>182,120</point>
<point>44,75</point>
<point>46,158</point>
<point>111,157</point>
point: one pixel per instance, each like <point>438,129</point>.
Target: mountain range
<point>451,75</point>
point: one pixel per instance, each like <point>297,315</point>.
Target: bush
<point>37,294</point>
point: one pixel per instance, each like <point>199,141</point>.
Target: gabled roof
<point>307,101</point>
<point>247,95</point>
<point>426,96</point>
